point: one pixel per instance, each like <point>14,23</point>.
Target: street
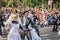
<point>45,33</point>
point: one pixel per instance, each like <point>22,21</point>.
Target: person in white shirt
<point>14,33</point>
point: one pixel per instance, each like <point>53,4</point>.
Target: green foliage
<point>13,3</point>
<point>2,4</point>
<point>24,3</point>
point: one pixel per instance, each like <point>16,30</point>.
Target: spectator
<point>1,24</point>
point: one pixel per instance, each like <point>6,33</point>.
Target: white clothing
<point>26,38</point>
<point>30,15</point>
<point>34,35</point>
<point>14,34</point>
<point>59,32</point>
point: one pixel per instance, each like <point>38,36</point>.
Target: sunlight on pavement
<point>44,35</point>
<point>48,39</point>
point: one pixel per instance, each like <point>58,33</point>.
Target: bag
<point>59,32</point>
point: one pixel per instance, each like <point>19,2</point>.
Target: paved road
<point>46,34</point>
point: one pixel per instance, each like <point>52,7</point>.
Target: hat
<point>24,12</point>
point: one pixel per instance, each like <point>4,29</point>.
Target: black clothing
<point>1,25</point>
<point>35,18</point>
<point>55,19</point>
<point>59,20</point>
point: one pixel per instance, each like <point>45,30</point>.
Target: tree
<point>24,3</point>
<point>56,3</point>
<point>13,3</point>
<point>2,3</point>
